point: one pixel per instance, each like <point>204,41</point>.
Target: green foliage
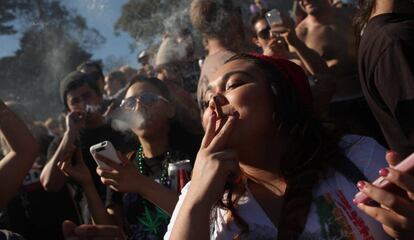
<point>9,11</point>
<point>54,41</point>
<point>146,20</point>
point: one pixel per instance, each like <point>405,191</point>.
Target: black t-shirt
<point>88,137</point>
<point>386,72</point>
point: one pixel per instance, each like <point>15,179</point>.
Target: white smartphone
<point>106,149</point>
<point>406,166</point>
<point>273,17</point>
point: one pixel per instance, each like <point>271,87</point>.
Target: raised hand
<point>75,121</point>
<point>396,212</point>
<point>78,171</point>
<point>214,164</point>
<point>285,30</point>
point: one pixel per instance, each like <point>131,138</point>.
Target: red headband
<point>293,73</point>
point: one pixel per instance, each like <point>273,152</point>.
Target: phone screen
<point>273,17</point>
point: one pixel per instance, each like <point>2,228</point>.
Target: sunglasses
<point>264,33</point>
<point>145,98</point>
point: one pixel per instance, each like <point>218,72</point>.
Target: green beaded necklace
<point>152,221</point>
<point>142,169</point>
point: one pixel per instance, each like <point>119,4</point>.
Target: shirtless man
<point>329,32</point>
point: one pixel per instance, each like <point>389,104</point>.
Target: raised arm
<point>52,178</point>
<point>311,60</point>
<point>80,173</point>
<point>212,168</point>
<point>24,150</point>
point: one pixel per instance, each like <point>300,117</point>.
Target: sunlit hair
<point>212,18</point>
<point>310,151</point>
<point>118,76</point>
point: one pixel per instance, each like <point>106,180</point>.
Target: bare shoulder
<point>302,29</point>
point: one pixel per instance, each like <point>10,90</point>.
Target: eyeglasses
<point>264,33</point>
<point>146,98</point>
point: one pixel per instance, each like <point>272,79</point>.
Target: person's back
<point>386,61</point>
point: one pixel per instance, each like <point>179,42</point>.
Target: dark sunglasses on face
<point>146,98</point>
<point>264,33</point>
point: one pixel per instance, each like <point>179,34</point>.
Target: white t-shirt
<point>332,214</point>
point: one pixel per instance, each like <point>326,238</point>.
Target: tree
<point>55,42</point>
<point>9,11</point>
<point>147,20</point>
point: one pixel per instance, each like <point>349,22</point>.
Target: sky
<point>99,14</point>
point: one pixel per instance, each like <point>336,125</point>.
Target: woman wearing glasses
<point>150,193</point>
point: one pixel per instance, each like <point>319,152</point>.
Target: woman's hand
<point>79,171</point>
<point>396,213</point>
<point>214,164</point>
<point>122,177</point>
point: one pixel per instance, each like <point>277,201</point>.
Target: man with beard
<point>85,126</point>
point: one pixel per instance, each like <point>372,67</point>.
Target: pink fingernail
<point>383,172</point>
<point>354,201</point>
<point>361,185</point>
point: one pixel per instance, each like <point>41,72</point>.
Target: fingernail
<point>354,201</point>
<point>361,185</point>
<point>383,172</point>
<point>390,152</point>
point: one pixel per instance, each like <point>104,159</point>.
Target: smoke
<point>97,5</point>
<point>92,108</point>
<point>124,121</point>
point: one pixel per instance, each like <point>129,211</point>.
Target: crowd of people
<point>270,135</point>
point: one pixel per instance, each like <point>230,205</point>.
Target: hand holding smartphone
<point>273,17</point>
<point>107,150</point>
<point>406,166</point>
